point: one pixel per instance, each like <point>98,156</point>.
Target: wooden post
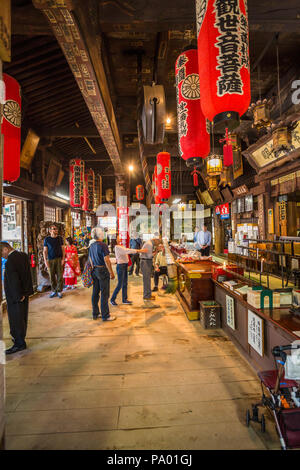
<point>219,235</point>
<point>2,346</point>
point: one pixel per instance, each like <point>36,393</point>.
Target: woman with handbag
<point>72,266</point>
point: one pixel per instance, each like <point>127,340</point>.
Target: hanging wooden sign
<point>5,30</point>
<point>29,148</point>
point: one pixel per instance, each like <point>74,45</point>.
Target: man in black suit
<point>18,287</point>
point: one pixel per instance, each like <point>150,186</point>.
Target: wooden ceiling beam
<point>68,132</point>
<point>79,41</point>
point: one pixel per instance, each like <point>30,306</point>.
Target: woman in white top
<point>122,260</point>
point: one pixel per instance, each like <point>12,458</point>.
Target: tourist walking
<point>18,287</point>
<point>72,266</point>
<point>101,273</point>
<point>122,259</point>
<point>136,244</point>
<point>54,257</point>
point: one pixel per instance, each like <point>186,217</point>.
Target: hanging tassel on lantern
<point>227,150</point>
<point>195,174</point>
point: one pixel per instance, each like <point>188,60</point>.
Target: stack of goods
<point>260,297</point>
<point>191,257</point>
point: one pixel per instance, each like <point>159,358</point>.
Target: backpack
<point>86,275</point>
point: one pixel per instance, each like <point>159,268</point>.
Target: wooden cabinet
<point>195,284</point>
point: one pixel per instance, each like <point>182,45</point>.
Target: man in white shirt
<point>147,265</point>
<point>122,260</point>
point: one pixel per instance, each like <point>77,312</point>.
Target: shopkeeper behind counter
<point>203,241</point>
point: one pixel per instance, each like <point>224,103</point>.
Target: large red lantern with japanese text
<point>163,176</point>
<point>193,128</point>
<point>75,183</point>
<point>223,53</point>
<point>11,129</point>
<point>139,192</point>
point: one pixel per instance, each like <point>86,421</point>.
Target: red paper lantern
<point>75,183</point>
<point>11,129</point>
<point>139,191</point>
<point>163,176</point>
<point>223,52</point>
<point>123,225</point>
<point>90,189</point>
<point>156,196</point>
<point>193,135</point>
<point>85,205</point>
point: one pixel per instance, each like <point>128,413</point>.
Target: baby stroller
<point>283,400</point>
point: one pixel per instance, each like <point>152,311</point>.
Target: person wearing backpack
<point>102,272</point>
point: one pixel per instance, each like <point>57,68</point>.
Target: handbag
<point>86,275</point>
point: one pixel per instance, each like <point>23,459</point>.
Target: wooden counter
<point>195,284</point>
<point>278,327</point>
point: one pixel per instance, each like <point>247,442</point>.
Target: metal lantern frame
<point>214,165</point>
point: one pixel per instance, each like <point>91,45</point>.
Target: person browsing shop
<point>146,267</point>
<point>136,244</point>
<point>102,273</point>
<point>54,257</point>
<point>160,266</point>
<point>122,259</point>
<point>204,241</point>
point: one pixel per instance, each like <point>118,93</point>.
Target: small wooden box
<point>210,314</point>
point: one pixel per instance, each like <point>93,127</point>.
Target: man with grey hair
<point>147,265</point>
<point>18,287</point>
<point>101,274</point>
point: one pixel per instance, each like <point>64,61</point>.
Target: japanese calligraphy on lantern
<point>256,332</point>
<point>224,71</point>
<point>230,320</point>
<point>232,43</point>
<point>193,133</point>
<point>75,183</point>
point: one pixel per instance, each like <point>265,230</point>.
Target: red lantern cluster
<point>163,169</point>
<point>139,192</point>
<point>223,51</point>
<point>11,129</point>
<point>193,133</point>
<point>90,189</point>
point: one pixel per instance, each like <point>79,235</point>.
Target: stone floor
<point>149,380</point>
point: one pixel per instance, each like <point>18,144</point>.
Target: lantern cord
<point>259,85</point>
<point>278,76</point>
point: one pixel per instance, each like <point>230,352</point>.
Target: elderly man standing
<point>101,274</point>
<point>146,267</point>
<point>18,288</point>
<point>54,257</point>
<point>204,241</point>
